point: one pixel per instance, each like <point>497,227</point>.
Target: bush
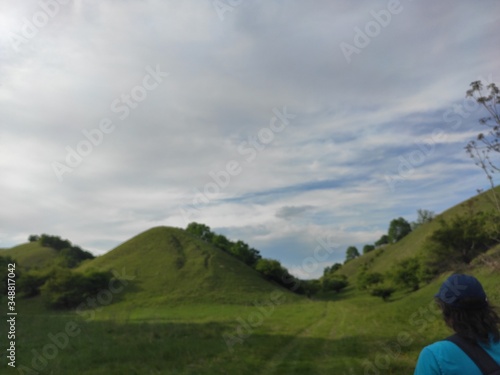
<point>34,238</point>
<point>461,239</point>
<point>30,282</point>
<point>368,279</point>
<point>335,283</point>
<point>382,292</point>
<point>73,256</point>
<point>406,273</point>
<point>65,289</point>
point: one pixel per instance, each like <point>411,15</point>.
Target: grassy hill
<point>382,259</point>
<point>169,265</point>
<point>31,255</point>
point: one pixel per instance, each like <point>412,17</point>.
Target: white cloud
<point>324,172</point>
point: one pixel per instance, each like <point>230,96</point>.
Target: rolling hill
<point>168,265</point>
<point>382,259</point>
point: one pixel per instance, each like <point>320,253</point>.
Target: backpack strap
<point>481,358</point>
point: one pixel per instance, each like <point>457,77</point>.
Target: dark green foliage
<point>271,269</point>
<point>34,238</point>
<point>398,229</point>
<point>351,253</point>
<point>221,241</point>
<point>310,287</point>
<point>382,292</point>
<point>244,252</point>
<point>30,282</point>
<point>406,273</point>
<point>65,289</point>
<point>239,249</point>
<point>383,240</point>
<point>55,242</point>
<point>368,279</point>
<point>73,256</point>
<point>201,231</point>
<point>368,248</point>
<point>461,238</point>
<point>332,269</point>
<point>334,282</point>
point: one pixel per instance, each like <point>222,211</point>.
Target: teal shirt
<point>445,358</point>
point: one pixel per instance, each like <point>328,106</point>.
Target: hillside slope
<point>382,259</point>
<point>169,265</point>
<point>31,255</point>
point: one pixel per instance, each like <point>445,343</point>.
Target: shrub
<point>382,292</point>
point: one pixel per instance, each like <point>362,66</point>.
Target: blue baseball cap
<point>463,292</point>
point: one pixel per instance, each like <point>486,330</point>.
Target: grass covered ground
<point>349,333</point>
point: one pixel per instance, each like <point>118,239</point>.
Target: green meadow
<point>185,307</point>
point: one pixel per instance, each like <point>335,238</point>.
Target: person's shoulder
<point>440,357</point>
<point>439,346</point>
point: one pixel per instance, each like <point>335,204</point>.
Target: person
<point>467,311</point>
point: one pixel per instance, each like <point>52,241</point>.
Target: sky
<point>294,126</point>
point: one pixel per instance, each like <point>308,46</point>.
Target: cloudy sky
<point>281,123</point>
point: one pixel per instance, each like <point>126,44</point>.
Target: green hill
<point>168,265</point>
<point>382,259</point>
<point>31,255</point>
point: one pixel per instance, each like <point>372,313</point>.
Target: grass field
<point>349,333</point>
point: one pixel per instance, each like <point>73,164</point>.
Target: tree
<point>271,269</point>
<point>406,273</point>
<point>30,282</point>
<point>485,149</point>
<point>334,282</point>
<point>33,238</point>
<point>73,256</point>
<point>201,231</point>
<point>384,240</point>
<point>351,253</point>
<point>66,289</point>
<point>382,292</point>
<point>423,216</point>
<point>332,269</point>
<point>55,242</point>
<point>369,279</point>
<point>398,229</point>
<point>221,241</point>
<point>462,238</point>
<point>242,251</point>
<point>368,248</point>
